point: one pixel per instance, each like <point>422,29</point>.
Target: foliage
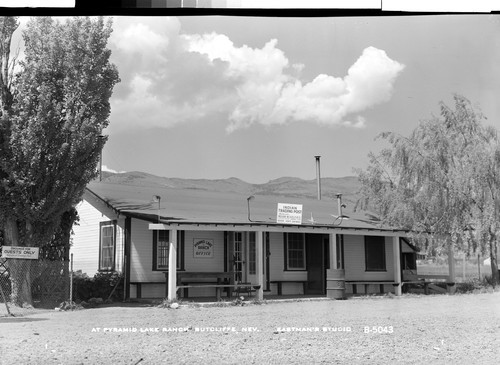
<point>100,286</point>
<point>476,285</point>
<point>440,182</point>
<point>170,303</point>
<point>60,107</point>
<point>53,111</point>
<point>67,306</point>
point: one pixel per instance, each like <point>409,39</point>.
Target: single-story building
<point>163,238</point>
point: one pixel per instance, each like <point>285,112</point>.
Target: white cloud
<point>107,169</point>
<point>325,100</point>
<point>169,77</point>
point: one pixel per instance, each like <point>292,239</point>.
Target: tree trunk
<point>19,269</point>
<point>493,258</point>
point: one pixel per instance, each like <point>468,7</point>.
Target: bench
<point>248,288</point>
<point>195,284</point>
<point>354,284</point>
<point>427,280</point>
<point>280,284</point>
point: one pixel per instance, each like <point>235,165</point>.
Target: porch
<point>276,262</point>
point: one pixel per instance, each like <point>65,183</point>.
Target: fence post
<point>479,265</point>
<point>463,268</point>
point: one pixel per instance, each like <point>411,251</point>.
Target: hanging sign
<point>18,252</point>
<point>203,248</point>
<point>289,213</point>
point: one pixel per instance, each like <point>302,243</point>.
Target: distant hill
<point>285,186</point>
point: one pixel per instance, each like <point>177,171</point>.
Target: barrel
<point>335,284</point>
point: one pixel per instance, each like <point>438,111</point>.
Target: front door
<point>239,257</point>
<point>315,260</point>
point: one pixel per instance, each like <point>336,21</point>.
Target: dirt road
<point>437,329</point>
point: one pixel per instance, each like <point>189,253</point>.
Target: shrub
<point>476,285</point>
<point>100,286</point>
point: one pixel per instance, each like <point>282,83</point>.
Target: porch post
<point>451,268</point>
<point>333,251</point>
<point>259,263</point>
<point>396,249</point>
<point>172,265</point>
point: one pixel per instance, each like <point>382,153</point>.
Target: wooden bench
<point>354,284</point>
<point>427,280</point>
<point>194,284</point>
<point>218,288</point>
<point>280,284</point>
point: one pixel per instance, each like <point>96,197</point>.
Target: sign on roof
<point>17,252</point>
<point>289,213</point>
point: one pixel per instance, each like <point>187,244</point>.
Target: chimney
<point>339,203</point>
<point>318,176</point>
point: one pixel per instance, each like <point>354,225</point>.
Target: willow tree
<point>441,182</point>
<point>51,129</point>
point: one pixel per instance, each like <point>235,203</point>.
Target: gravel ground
<point>436,329</point>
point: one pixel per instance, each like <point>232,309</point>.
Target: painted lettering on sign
<point>289,213</point>
<point>18,252</point>
<point>203,248</point>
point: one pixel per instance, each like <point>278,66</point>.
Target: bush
<point>488,281</point>
<point>476,285</point>
<point>100,286</point>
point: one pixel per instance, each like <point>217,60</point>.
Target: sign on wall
<point>203,248</point>
<point>18,252</point>
<point>289,213</point>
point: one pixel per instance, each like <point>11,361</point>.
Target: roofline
<point>104,201</point>
<point>250,226</point>
<point>273,227</point>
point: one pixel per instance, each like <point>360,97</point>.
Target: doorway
<point>317,248</point>
<point>242,257</point>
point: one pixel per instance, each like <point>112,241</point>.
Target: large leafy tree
<point>441,182</point>
<point>52,118</point>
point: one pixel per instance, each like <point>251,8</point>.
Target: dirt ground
<point>436,329</point>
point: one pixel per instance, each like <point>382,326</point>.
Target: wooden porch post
<point>333,251</point>
<point>172,266</point>
<point>396,249</point>
<point>259,263</point>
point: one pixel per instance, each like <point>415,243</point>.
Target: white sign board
<point>17,252</point>
<point>289,213</point>
<point>203,249</point>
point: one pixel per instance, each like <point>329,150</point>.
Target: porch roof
<point>201,208</point>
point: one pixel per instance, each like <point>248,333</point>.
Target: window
<point>107,246</point>
<point>252,255</point>
<point>375,253</point>
<point>161,246</point>
<point>295,251</point>
<point>340,251</point>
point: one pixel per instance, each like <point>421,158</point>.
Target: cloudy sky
<point>257,98</point>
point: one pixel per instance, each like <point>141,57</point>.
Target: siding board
<point>85,239</point>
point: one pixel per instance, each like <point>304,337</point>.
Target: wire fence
<point>466,268</point>
<point>30,285</point>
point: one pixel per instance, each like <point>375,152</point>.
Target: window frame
<point>371,241</point>
<point>252,254</point>
<point>101,267</point>
<point>340,251</point>
<point>287,252</point>
<point>180,250</point>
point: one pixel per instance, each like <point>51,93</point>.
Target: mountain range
<point>284,186</point>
